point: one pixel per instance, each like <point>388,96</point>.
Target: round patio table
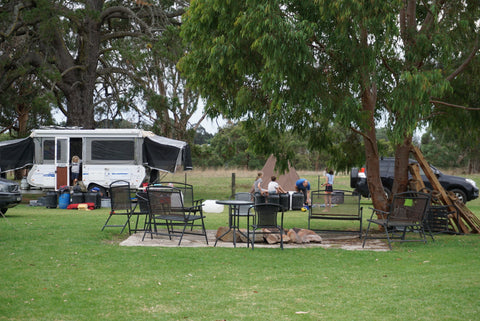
<point>234,218</point>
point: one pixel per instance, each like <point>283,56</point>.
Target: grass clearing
<point>58,265</point>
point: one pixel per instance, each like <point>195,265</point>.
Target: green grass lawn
<point>57,265</point>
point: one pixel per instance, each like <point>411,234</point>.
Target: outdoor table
<point>234,218</point>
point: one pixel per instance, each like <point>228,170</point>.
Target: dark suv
<point>464,188</point>
<point>10,194</point>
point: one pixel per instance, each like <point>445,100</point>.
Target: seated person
<point>257,186</point>
<point>274,187</point>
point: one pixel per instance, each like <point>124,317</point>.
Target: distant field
<point>217,184</point>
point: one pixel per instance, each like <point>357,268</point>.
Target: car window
<point>387,168</point>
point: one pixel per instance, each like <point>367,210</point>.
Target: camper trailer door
<point>62,172</point>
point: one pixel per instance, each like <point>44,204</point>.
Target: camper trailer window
<point>113,150</point>
<point>49,150</point>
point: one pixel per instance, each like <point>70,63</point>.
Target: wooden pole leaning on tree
<point>464,219</point>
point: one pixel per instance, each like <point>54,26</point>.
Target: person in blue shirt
<point>302,185</point>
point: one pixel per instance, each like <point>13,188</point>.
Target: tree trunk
<point>23,113</point>
<point>80,107</point>
<point>375,186</point>
<point>79,73</point>
<point>402,155</point>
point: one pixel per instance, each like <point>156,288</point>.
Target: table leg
<point>234,225</point>
<point>231,226</point>
<point>233,213</point>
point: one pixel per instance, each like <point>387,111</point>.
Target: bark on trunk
<point>79,73</point>
<point>402,155</point>
<point>375,186</point>
<point>23,113</point>
<point>80,108</point>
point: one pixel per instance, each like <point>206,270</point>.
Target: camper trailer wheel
<point>103,190</point>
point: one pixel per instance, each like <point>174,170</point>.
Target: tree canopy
<point>98,59</point>
<point>306,65</point>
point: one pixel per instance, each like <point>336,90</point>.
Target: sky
<point>210,125</point>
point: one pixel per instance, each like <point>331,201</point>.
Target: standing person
<point>328,188</point>
<point>302,185</point>
<point>257,185</point>
<point>75,168</point>
<point>274,187</point>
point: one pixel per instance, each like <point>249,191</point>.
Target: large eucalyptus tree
<point>303,64</point>
<point>74,44</point>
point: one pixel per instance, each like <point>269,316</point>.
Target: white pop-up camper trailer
<point>106,155</point>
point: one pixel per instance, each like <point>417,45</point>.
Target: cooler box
<point>285,201</point>
<point>274,198</point>
<point>259,198</point>
<point>78,197</point>
<point>51,200</point>
<point>93,197</point>
<point>297,201</point>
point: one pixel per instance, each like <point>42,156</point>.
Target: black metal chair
<point>243,209</point>
<point>121,204</point>
<point>187,195</point>
<point>166,210</point>
<point>407,213</point>
<point>266,218</point>
<point>140,209</point>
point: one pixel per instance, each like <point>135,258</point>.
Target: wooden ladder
<point>464,220</point>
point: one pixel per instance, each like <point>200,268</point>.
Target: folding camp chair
<point>122,205</point>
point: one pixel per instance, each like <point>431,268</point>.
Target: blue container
<point>64,200</point>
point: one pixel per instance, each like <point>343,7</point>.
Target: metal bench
<point>407,213</point>
<point>345,206</point>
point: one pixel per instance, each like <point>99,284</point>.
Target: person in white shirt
<point>76,162</point>
<point>274,187</point>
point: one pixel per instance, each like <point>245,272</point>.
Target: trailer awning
<point>166,154</point>
<point>15,154</point>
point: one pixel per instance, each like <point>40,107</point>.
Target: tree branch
<point>438,102</point>
<point>389,68</point>
<point>122,13</point>
<point>16,24</point>
<point>122,34</point>
<point>110,70</point>
<point>465,63</point>
<point>361,134</point>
